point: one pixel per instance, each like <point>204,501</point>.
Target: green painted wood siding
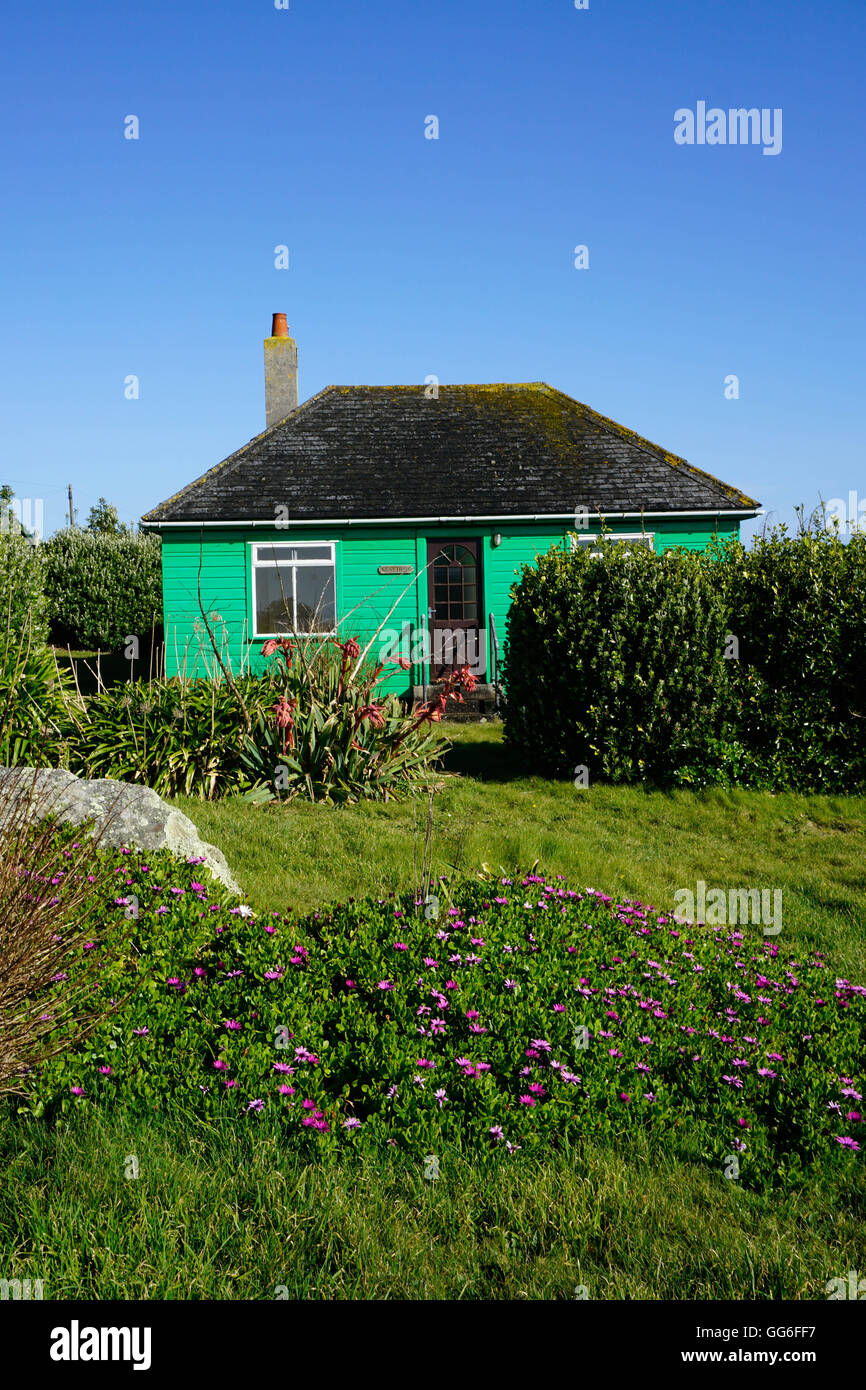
<point>367,601</point>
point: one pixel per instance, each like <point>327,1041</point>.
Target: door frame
<point>474,543</point>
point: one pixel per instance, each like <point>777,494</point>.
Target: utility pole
<point>71,512</point>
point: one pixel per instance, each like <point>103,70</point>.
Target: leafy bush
<point>624,664</point>
<point>798,608</point>
<point>383,1024</point>
<point>616,664</point>
<point>330,737</point>
<point>22,584</point>
<point>312,729</point>
<point>102,587</point>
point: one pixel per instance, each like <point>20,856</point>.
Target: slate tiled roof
<point>477,451</point>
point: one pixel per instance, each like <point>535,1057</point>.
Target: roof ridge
<point>443,386</point>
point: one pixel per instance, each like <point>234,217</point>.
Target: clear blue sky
<point>409,256</point>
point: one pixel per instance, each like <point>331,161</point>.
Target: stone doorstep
<point>482,691</point>
<point>481,704</point>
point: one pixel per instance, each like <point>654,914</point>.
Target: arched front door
<point>455,605</point>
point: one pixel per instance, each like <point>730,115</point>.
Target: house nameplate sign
<point>396,569</point>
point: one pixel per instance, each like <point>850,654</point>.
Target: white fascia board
<point>451,520</point>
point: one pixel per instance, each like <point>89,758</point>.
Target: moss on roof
<point>496,448</point>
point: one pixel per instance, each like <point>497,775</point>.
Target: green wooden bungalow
<point>401,515</point>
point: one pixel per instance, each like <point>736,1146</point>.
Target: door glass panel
<point>455,584</point>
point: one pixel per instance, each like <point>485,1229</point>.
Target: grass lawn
<point>230,1213</point>
<point>226,1215</point>
<point>641,844</point>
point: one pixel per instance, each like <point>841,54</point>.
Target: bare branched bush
<point>56,897</point>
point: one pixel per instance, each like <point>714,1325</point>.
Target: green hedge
<point>798,608</point>
<point>618,664</point>
<point>101,588</point>
<point>22,586</point>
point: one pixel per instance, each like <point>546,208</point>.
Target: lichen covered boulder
<point>123,813</point>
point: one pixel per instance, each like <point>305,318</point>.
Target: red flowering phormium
<point>373,713</point>
<point>284,717</point>
<point>281,644</point>
<point>430,711</point>
<point>283,712</point>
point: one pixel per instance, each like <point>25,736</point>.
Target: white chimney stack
<point>281,372</point>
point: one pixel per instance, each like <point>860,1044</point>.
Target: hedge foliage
<point>100,587</point>
<point>23,604</point>
<point>618,664</point>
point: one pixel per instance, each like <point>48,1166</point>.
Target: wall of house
<point>369,605</point>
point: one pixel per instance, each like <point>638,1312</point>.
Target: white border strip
<point>448,520</point>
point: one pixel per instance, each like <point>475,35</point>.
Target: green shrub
<point>520,1015</point>
<point>616,664</point>
<point>102,588</point>
<point>22,584</point>
<point>209,738</point>
<point>625,664</point>
<point>798,608</point>
<point>176,736</point>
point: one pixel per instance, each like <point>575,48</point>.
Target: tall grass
<point>218,1214</point>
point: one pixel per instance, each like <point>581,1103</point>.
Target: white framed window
<point>645,538</point>
<point>294,589</point>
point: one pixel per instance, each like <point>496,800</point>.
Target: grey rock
<point>125,813</point>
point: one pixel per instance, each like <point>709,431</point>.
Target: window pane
<point>268,554</point>
<point>312,552</point>
<point>317,608</point>
<point>274,599</point>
